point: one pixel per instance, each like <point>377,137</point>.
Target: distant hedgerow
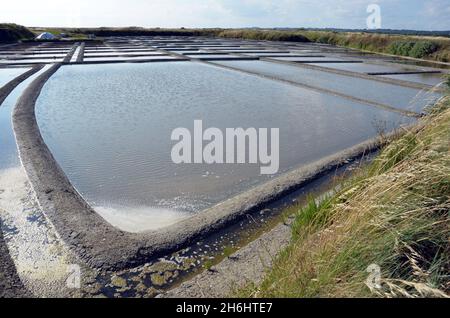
<point>418,49</point>
<point>12,32</point>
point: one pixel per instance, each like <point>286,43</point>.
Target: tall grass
<point>418,49</point>
<point>392,215</point>
<point>433,48</point>
<point>264,35</point>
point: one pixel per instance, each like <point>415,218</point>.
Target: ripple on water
<point>109,127</point>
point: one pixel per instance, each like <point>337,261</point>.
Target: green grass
<point>393,213</point>
<point>264,35</point>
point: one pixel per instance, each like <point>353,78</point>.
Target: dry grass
<point>382,43</point>
<point>394,214</point>
<point>373,42</point>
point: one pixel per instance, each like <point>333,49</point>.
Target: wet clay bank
<point>99,243</point>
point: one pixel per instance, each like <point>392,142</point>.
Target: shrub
<point>264,35</point>
<point>323,39</point>
<point>418,49</point>
<point>423,48</point>
<point>14,32</point>
<point>401,47</point>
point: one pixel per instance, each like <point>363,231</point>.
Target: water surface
<point>8,148</point>
<point>8,74</point>
<point>109,127</point>
<point>429,79</point>
<point>424,78</point>
<point>393,95</point>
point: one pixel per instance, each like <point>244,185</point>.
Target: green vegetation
<point>14,33</point>
<point>432,48</point>
<point>129,31</point>
<point>73,34</point>
<point>208,265</point>
<point>228,251</point>
<point>264,35</point>
<point>418,49</point>
<point>135,31</point>
<point>392,215</point>
<point>429,46</point>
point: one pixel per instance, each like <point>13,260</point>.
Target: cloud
<point>407,14</point>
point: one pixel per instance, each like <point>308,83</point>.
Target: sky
<point>395,14</point>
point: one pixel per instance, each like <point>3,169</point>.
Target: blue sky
<point>396,14</point>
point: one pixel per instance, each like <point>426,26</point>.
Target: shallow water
<point>277,54</point>
<point>109,127</point>
<point>367,68</point>
<point>123,53</point>
<point>126,58</point>
<point>211,56</point>
<point>426,78</point>
<point>429,79</point>
<point>8,148</point>
<point>8,74</point>
<point>30,61</point>
<point>327,60</point>
<point>423,63</point>
<point>43,56</point>
<point>44,51</point>
<point>396,96</point>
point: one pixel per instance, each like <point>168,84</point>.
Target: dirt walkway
<point>31,252</point>
<point>10,284</point>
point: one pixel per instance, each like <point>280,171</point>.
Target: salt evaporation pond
<point>110,126</point>
<point>8,74</point>
<point>9,157</point>
<point>405,98</point>
<point>424,78</point>
<point>8,154</point>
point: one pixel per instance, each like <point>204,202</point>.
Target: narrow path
<point>70,54</point>
<point>10,283</point>
<point>80,57</point>
<point>248,265</point>
<point>10,86</point>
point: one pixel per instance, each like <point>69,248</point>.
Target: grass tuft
<point>392,216</point>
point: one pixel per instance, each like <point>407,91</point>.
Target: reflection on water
<point>393,95</point>
<point>424,78</point>
<point>8,149</point>
<point>8,74</point>
<point>109,127</point>
<point>140,219</point>
<point>429,79</point>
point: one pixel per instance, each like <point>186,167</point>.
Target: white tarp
<point>45,36</point>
